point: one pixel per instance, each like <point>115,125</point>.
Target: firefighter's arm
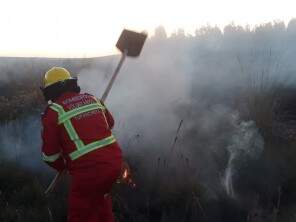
<point>51,149</point>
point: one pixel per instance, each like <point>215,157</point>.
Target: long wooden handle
<point>110,84</point>
<point>54,182</point>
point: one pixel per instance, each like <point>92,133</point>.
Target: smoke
<point>20,142</point>
<point>245,143</point>
<point>206,82</point>
<point>146,93</point>
<point>203,80</point>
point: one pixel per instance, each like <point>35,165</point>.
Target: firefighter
<point>77,137</point>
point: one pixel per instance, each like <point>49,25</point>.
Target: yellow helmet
<point>54,75</point>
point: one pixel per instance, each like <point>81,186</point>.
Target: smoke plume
<point>207,80</point>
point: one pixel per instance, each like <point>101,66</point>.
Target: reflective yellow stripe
<point>50,158</point>
<point>68,125</point>
<point>83,109</point>
<point>92,146</point>
<point>65,118</point>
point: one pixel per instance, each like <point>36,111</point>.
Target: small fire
<point>125,174</point>
<point>126,177</point>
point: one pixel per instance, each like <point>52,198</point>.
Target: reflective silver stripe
<point>50,158</point>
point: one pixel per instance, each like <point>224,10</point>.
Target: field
<point>206,122</point>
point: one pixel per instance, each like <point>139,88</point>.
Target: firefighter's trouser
<point>88,201</point>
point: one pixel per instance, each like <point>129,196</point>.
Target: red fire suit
<point>94,172</point>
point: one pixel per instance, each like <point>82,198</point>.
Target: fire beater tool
<point>130,44</point>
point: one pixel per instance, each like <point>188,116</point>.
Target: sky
<point>89,28</point>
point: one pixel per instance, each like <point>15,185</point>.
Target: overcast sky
<point>86,28</point>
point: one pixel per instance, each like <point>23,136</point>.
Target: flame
<point>125,174</point>
<point>126,178</point>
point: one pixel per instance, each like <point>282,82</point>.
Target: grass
<point>179,181</point>
<point>22,198</point>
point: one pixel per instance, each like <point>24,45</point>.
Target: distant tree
<point>208,31</point>
<point>270,28</point>
<point>279,25</point>
<point>180,34</point>
<point>271,35</point>
<point>160,33</point>
<point>233,30</point>
<point>292,26</point>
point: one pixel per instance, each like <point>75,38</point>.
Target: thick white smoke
<point>146,93</point>
<point>21,142</point>
<point>199,79</point>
